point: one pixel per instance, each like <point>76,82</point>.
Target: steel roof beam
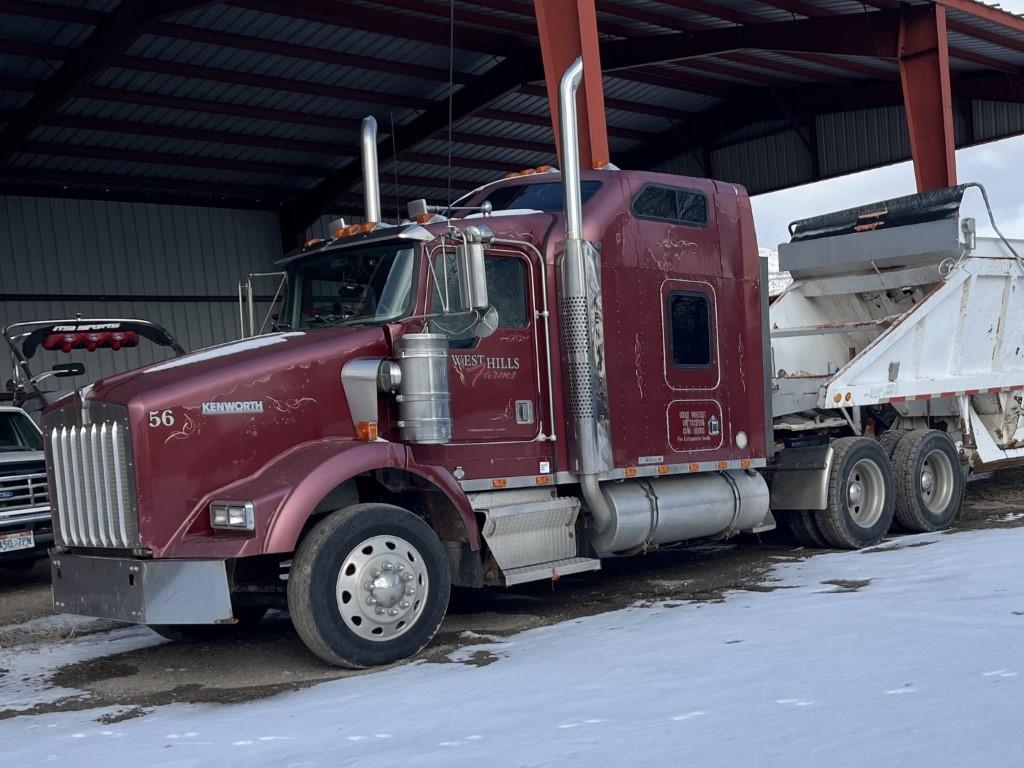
<point>716,11</point>
<point>186,133</point>
<point>869,34</point>
<point>927,95</point>
<point>304,52</point>
<point>984,34</point>
<point>219,108</point>
<point>171,159</point>
<point>805,102</point>
<point>81,179</point>
<point>267,82</point>
<point>108,40</point>
<point>133,196</point>
<point>382,22</point>
<point>505,77</point>
<point>52,12</point>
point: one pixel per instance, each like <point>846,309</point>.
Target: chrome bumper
<point>142,591</point>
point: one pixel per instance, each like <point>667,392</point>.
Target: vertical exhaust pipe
<point>582,324</point>
<point>571,150</point>
<point>371,179</point>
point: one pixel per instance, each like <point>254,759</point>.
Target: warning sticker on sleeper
<point>694,425</point>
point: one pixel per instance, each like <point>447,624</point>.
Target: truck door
<point>495,381</point>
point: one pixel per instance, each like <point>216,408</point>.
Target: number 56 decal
<point>164,418</point>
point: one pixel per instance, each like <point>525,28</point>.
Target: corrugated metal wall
<point>176,265</point>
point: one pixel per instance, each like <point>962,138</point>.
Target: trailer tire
<point>860,494</point>
<point>804,528</point>
<point>369,585</point>
<point>929,481</point>
<point>890,439</point>
<point>247,618</point>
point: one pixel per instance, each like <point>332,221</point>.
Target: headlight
<point>233,515</point>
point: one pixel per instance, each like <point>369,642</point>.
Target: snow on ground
<point>908,655</point>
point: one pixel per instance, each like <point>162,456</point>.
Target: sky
<point>998,166</point>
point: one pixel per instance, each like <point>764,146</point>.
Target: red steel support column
<point>567,29</point>
<point>924,75</point>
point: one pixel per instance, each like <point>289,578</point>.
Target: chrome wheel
<point>382,588</point>
<point>937,481</point>
<point>865,493</point>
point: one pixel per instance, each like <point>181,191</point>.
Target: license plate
<point>10,542</point>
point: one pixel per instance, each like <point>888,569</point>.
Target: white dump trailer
<point>902,326</point>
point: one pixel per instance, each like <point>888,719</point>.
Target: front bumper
<point>142,591</point>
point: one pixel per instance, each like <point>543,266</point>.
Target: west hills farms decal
<point>473,368</point>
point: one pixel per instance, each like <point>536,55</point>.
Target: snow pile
<point>901,655</point>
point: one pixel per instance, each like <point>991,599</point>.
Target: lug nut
<point>392,612</point>
<point>368,586</point>
<point>410,591</point>
<point>404,604</point>
<point>375,573</point>
<point>371,600</point>
<point>386,566</point>
<point>399,567</point>
<point>380,611</point>
<point>407,577</point>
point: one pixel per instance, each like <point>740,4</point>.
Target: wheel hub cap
<point>927,481</point>
<point>382,587</point>
<point>856,492</point>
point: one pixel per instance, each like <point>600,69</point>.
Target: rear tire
<point>247,618</point>
<point>890,439</point>
<point>929,481</point>
<point>368,586</point>
<point>804,528</point>
<point>860,494</point>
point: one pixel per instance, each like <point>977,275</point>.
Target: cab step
<point>532,534</point>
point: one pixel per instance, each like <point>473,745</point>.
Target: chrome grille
<point>93,484</point>
<point>23,490</point>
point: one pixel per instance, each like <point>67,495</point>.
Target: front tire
<point>860,494</point>
<point>368,586</point>
<point>929,481</point>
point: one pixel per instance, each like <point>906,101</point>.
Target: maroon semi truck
<point>564,367</point>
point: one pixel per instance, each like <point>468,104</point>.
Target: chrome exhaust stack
<point>582,324</point>
<point>371,179</point>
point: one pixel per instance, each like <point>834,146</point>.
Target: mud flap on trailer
<point>987,453</point>
<point>800,478</point>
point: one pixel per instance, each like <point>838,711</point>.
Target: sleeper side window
<point>673,204</point>
<point>689,316</point>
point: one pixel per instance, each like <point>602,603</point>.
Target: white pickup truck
<point>26,530</point>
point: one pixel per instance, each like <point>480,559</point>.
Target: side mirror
<point>63,370</point>
<point>469,260</point>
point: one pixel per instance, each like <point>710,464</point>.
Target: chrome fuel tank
<point>652,511</point>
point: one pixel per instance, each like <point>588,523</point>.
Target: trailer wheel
<point>860,494</point>
<point>368,586</point>
<point>247,618</point>
<point>929,482</point>
<point>804,528</point>
<point>890,439</point>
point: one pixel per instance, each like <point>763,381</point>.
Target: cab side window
<point>672,204</point>
<point>506,293</point>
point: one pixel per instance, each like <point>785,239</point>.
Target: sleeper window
<point>679,206</point>
<point>689,317</point>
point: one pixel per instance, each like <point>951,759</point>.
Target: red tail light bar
<point>90,341</point>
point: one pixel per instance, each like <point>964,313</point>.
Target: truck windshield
<point>17,433</point>
<point>355,287</point>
